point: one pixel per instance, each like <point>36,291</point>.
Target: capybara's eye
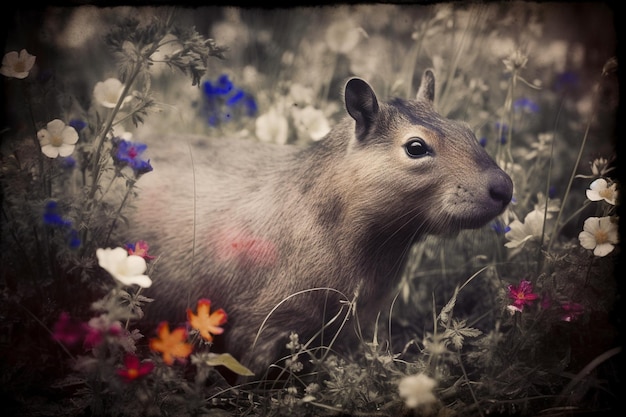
<point>417,148</point>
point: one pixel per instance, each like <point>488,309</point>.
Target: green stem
<point>131,184</point>
<point>578,158</point>
<point>107,126</point>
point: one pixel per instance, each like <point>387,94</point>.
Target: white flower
<point>554,205</point>
<point>300,95</point>
<point>125,268</point>
<point>57,139</point>
<point>601,190</point>
<point>519,232</point>
<point>108,92</point>
<point>599,234</point>
<point>515,61</point>
<point>311,122</point>
<point>600,166</point>
<point>343,35</point>
<point>417,390</point>
<point>16,65</point>
<point>272,127</point>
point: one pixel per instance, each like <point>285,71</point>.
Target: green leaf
<point>227,360</point>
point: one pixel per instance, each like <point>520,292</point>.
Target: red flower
<point>521,295</point>
<point>134,369</point>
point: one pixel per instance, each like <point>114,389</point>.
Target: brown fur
<point>247,224</point>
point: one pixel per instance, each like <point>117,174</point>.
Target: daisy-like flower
<point>205,323</point>
<point>134,369</point>
<point>171,345</point>
<point>108,92</point>
<point>272,127</point>
<point>521,295</point>
<point>17,65</point>
<point>519,233</point>
<point>541,147</point>
<point>601,190</point>
<point>417,390</point>
<point>57,139</point>
<point>126,269</point>
<point>599,234</point>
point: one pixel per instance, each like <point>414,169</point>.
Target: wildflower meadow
<point>521,317</point>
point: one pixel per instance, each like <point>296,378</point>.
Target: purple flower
<point>129,154</point>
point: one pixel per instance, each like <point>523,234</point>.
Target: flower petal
<point>65,149</point>
<point>587,240</point>
<point>55,127</point>
<point>135,265</point>
<point>603,249</point>
<point>143,281</point>
<point>69,135</point>
<point>50,151</point>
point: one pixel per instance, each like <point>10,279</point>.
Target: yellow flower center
<point>601,237</point>
<point>606,193</point>
<point>56,140</point>
<point>133,373</point>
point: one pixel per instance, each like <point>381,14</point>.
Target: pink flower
<point>571,311</point>
<point>140,249</point>
<point>100,327</point>
<point>521,295</point>
<point>69,331</point>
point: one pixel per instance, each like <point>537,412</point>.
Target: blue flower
<point>566,79</point>
<point>552,191</point>
<point>223,101</point>
<point>503,130</point>
<point>483,141</point>
<point>525,104</point>
<point>500,228</point>
<point>52,217</point>
<point>128,154</point>
<point>67,162</point>
<point>78,124</point>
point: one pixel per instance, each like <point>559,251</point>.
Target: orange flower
<point>206,324</point>
<point>172,345</point>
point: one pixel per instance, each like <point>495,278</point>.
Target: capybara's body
<point>247,224</point>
